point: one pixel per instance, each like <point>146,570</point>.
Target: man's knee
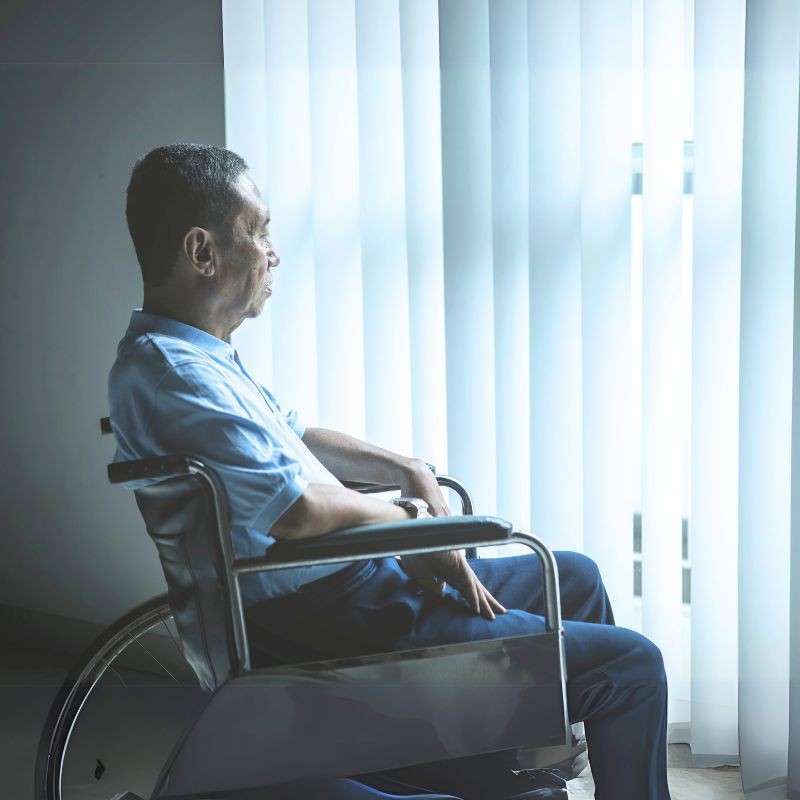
<point>579,567</point>
<point>647,661</point>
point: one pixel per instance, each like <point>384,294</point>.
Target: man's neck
<point>197,318</point>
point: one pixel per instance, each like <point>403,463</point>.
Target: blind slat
<point>246,133</point>
<point>467,211</point>
<point>718,97</point>
<point>383,231</point>
<point>508,24</point>
<point>555,273</point>
<point>336,213</point>
<point>664,371</point>
<point>606,296</point>
<point>765,383</point>
<point>419,45</point>
<point>290,191</point>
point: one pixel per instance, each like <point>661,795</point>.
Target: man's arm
<point>323,508</point>
<point>351,459</point>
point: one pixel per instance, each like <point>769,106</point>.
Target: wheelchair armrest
<point>403,538</point>
<point>383,539</point>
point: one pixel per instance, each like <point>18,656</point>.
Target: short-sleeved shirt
<point>177,389</point>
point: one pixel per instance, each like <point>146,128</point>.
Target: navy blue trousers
<point>616,682</point>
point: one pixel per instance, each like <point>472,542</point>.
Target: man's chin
<point>258,306</point>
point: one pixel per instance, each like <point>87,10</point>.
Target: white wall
<point>85,88</point>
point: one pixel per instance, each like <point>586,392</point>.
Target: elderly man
<point>201,233</point>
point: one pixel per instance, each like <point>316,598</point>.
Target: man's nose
<point>273,258</point>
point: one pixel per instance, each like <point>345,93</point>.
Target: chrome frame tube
<point>552,598</point>
<point>442,480</point>
<point>240,643</point>
<point>552,606</point>
<point>460,490</point>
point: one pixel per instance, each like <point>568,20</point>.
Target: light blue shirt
<point>177,389</point>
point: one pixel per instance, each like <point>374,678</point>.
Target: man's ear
<point>198,247</point>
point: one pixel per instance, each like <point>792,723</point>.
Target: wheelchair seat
<point>299,728</point>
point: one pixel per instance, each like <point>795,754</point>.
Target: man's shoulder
<point>151,356</point>
<point>150,371</point>
<point>146,361</point>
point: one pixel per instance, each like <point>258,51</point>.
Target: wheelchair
<point>484,720</point>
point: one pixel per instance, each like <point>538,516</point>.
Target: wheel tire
<point>79,684</point>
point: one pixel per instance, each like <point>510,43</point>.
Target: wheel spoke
<point>108,666</point>
<point>174,640</point>
<point>83,686</point>
<point>154,658</point>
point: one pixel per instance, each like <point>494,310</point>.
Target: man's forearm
<point>323,508</point>
<point>351,459</point>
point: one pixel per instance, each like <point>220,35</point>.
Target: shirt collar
<point>153,323</point>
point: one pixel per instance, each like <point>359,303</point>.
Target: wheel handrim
<point>81,684</point>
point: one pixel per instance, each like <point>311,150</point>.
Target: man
<point>201,234</point>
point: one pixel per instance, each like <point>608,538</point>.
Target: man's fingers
<point>473,596</point>
<point>454,568</point>
<point>489,605</point>
<point>477,597</point>
<point>473,591</point>
<point>494,603</point>
<point>486,607</point>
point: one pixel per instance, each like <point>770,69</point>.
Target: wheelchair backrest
<point>181,519</point>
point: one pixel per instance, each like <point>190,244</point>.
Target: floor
<point>685,783</point>
<point>29,679</point>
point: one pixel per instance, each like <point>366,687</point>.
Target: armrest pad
<point>392,538</point>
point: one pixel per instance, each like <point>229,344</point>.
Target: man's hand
<point>417,480</point>
<point>350,459</point>
<point>433,570</point>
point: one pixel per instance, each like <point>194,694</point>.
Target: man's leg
<point>583,595</point>
<point>616,681</point>
<point>615,677</point>
<point>616,684</point>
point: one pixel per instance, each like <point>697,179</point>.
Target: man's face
<point>245,276</point>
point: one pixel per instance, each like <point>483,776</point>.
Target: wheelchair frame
<point>341,546</point>
<point>292,554</point>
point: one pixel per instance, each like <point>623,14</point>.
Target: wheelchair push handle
<point>147,468</point>
<point>144,468</point>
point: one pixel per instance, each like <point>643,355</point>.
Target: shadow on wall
<point>85,89</point>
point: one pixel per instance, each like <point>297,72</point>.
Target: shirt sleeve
<point>295,424</point>
<point>196,414</point>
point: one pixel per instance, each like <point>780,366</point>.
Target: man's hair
<point>173,189</point>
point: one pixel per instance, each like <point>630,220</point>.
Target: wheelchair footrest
<point>475,778</point>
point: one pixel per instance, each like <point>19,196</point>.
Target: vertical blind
<point>662,365</point>
<point>605,192</point>
<point>769,222</point>
<point>470,273</point>
<point>718,119</point>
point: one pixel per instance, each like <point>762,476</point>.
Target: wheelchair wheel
<point>118,713</point>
